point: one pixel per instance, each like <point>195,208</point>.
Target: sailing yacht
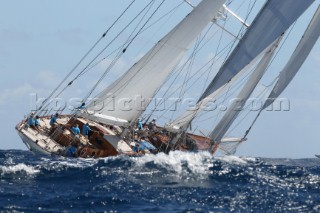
<point>112,119</point>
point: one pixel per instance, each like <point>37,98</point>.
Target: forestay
<point>142,80</point>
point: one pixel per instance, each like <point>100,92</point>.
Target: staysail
<point>273,19</point>
<point>300,54</point>
<point>237,105</point>
<point>181,123</point>
<point>125,99</point>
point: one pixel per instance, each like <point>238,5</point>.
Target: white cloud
<point>9,95</point>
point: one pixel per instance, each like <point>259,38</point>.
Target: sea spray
<point>179,181</point>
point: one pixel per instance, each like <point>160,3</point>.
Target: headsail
<point>300,54</point>
<point>237,105</point>
<point>274,18</point>
<point>152,69</point>
<point>181,123</point>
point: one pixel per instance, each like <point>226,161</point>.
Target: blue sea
<point>178,182</point>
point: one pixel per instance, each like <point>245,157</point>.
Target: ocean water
<point>178,182</point>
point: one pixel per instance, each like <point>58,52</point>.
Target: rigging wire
<point>83,71</point>
<point>191,62</point>
<point>240,31</point>
<point>168,14</point>
<point>272,83</point>
<point>190,65</point>
<point>255,119</point>
<point>180,70</point>
<point>212,61</point>
<point>126,83</point>
<point>232,91</point>
<point>118,48</point>
<point>246,108</point>
<point>123,51</point>
<point>236,88</point>
<point>194,75</point>
<point>118,56</point>
<point>261,95</point>
<point>82,59</point>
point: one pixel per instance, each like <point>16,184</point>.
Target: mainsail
<point>273,20</point>
<point>143,79</point>
<point>300,54</point>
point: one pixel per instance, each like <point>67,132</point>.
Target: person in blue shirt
<point>54,119</point>
<point>140,127</point>
<point>144,146</point>
<point>75,129</point>
<point>85,130</point>
<point>31,121</point>
<point>37,123</point>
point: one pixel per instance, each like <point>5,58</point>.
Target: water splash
<point>19,168</point>
<point>179,181</point>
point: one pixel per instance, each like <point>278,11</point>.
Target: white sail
<point>237,105</point>
<point>126,98</point>
<point>257,38</point>
<point>181,123</point>
<point>300,54</point>
<point>275,18</point>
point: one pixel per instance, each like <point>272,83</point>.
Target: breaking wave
<point>179,181</point>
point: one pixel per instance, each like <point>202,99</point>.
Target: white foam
<point>68,163</point>
<point>9,160</point>
<point>231,159</point>
<point>21,167</point>
<point>250,159</point>
<point>197,163</point>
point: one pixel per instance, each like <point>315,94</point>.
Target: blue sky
<point>41,40</point>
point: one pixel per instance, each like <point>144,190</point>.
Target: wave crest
<point>19,168</point>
